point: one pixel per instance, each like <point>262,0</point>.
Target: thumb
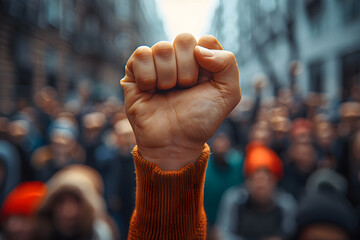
<point>222,64</point>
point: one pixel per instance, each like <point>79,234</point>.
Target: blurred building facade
<point>267,35</point>
<point>60,42</point>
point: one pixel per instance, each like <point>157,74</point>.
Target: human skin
<point>177,95</point>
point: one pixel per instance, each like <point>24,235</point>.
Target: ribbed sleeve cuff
<point>169,204</point>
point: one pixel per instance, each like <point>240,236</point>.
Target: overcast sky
<point>186,16</point>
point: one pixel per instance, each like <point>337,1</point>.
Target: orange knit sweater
<point>169,204</point>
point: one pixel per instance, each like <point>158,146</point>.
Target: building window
<point>123,10</point>
<point>68,21</point>
<point>314,10</point>
<point>350,73</point>
<point>351,10</point>
<point>23,66</point>
<point>316,76</point>
<point>51,67</point>
<point>53,12</point>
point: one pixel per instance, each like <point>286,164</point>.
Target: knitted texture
<point>169,204</point>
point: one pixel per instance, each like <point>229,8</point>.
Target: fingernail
<point>206,52</point>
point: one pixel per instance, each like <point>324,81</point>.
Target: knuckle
<point>143,53</point>
<point>185,40</point>
<point>163,49</point>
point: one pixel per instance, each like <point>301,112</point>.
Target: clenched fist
<point>177,95</point>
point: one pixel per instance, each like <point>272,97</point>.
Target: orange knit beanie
<point>24,200</point>
<point>259,156</point>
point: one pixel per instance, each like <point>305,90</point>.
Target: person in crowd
<point>301,164</point>
<point>261,132</point>
<point>223,171</point>
<point>18,131</point>
<point>324,211</point>
<point>259,209</point>
<point>62,150</point>
<point>48,107</point>
<point>93,126</point>
<point>74,207</point>
<point>116,166</point>
<point>34,137</point>
<point>354,171</point>
<point>348,143</point>
<point>325,215</point>
<point>324,139</point>
<point>10,163</point>
<point>280,125</point>
<point>301,131</point>
<point>18,212</point>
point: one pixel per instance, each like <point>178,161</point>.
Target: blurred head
<point>261,185</point>
<point>46,100</point>
<point>263,169</point>
<point>301,131</point>
<point>19,209</point>
<point>74,201</point>
<point>350,115</point>
<point>63,133</point>
<point>18,129</point>
<point>70,212</point>
<point>84,89</point>
<point>324,134</point>
<point>93,124</point>
<point>323,232</point>
<point>260,132</point>
<point>280,124</point>
<point>326,180</point>
<point>315,100</point>
<point>325,216</point>
<point>221,144</point>
<point>304,156</point>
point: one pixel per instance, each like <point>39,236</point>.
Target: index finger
<point>140,69</point>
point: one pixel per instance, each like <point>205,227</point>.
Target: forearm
<point>169,204</point>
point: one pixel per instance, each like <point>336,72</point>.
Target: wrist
<point>171,158</point>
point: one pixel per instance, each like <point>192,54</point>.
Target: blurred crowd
<point>66,170</point>
<point>285,168</point>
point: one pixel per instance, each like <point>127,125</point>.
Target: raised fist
<point>177,95</point>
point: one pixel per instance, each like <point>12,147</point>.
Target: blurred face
<point>303,136</point>
<point>303,156</point>
<point>261,186</point>
<point>323,232</point>
<point>324,134</point>
<point>68,213</point>
<point>260,132</point>
<point>19,228</point>
<point>62,143</point>
<point>221,144</point>
<point>17,131</point>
